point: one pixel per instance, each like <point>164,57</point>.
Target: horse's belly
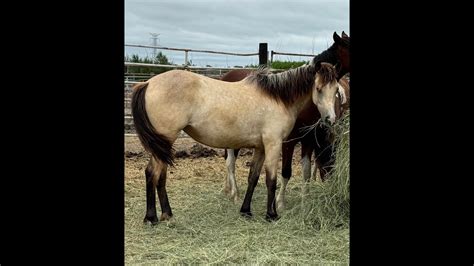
<point>225,139</point>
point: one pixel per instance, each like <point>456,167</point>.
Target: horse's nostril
<point>328,120</point>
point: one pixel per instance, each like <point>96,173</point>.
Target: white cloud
<point>234,26</point>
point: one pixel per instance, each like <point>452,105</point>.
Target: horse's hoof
<point>272,217</point>
<point>165,217</point>
<point>246,214</point>
<point>153,220</point>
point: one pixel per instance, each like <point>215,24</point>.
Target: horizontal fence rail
<point>190,50</point>
<point>292,54</point>
<point>182,66</point>
<point>187,50</point>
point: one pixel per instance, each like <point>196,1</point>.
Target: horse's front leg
<point>272,154</point>
<point>254,174</point>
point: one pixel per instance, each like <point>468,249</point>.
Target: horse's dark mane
<point>291,84</point>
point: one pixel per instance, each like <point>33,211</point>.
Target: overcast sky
<point>301,26</point>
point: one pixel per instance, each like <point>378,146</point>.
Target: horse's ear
<point>317,65</point>
<point>344,35</point>
<point>336,38</point>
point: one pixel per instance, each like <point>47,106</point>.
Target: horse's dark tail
<point>155,143</point>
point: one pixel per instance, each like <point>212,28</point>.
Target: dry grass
<point>329,207</point>
<point>208,229</point>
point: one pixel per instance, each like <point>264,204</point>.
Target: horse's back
<point>179,87</point>
<point>236,75</point>
<point>175,79</point>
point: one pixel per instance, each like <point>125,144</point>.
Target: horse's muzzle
<point>329,120</point>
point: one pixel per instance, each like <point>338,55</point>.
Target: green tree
<point>285,65</point>
<point>160,59</point>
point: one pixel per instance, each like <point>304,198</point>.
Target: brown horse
<point>257,112</point>
<point>318,141</point>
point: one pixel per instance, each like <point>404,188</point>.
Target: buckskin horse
<point>258,112</point>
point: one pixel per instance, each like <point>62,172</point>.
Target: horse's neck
<point>298,105</point>
<point>328,56</point>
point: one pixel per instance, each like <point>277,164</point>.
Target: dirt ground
<point>191,155</point>
<point>184,148</point>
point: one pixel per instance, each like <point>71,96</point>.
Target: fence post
<point>263,53</point>
<point>186,58</point>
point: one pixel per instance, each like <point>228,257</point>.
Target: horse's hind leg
<point>230,187</point>
<point>166,213</point>
<point>254,174</point>
<point>287,157</point>
<point>156,177</point>
<point>150,193</point>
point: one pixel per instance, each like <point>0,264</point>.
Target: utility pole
<point>154,37</point>
<point>263,53</point>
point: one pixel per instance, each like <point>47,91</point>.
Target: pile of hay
<point>327,206</point>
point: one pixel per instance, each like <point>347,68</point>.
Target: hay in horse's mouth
<point>306,129</point>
